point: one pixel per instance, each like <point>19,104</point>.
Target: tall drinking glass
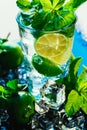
<point>48,52</point>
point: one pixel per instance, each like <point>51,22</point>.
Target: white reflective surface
<point>8,11</point>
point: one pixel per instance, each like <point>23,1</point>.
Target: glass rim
<point>21,25</point>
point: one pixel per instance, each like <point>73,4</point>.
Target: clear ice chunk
<point>57,120</point>
<point>41,107</point>
<point>75,122</point>
<point>53,94</point>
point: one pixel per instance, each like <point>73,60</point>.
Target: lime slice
<point>45,66</point>
<point>54,46</point>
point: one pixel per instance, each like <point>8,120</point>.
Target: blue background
<point>80,49</point>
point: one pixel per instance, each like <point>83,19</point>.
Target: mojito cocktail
<point>46,31</point>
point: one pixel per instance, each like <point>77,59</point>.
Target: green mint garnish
<point>77,97</point>
<point>73,103</point>
<point>12,88</point>
<point>23,4</point>
<point>49,14</point>
<point>74,4</point>
<point>48,5</point>
<point>45,14</point>
<point>76,88</point>
<point>39,19</point>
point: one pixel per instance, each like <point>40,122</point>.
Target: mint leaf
<point>12,85</point>
<point>73,103</point>
<point>82,88</point>
<point>2,90</point>
<point>49,5</point>
<point>84,104</point>
<point>3,97</point>
<point>73,74</point>
<point>39,19</point>
<point>67,18</point>
<point>57,4</point>
<point>70,80</point>
<point>59,19</point>
<point>82,79</point>
<point>78,98</point>
<point>77,86</point>
<point>74,4</point>
<point>83,93</point>
<point>23,4</point>
<point>46,5</point>
<point>74,66</point>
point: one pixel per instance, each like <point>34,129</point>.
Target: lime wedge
<point>45,66</point>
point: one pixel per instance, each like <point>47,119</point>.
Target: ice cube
<point>41,107</point>
<point>74,121</point>
<point>53,94</point>
<point>45,122</point>
<point>35,121</point>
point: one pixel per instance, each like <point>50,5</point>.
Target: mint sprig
<point>76,87</point>
<point>77,98</point>
<point>51,4</point>
<point>13,87</point>
<point>74,4</point>
<point>47,5</point>
<point>48,14</point>
<point>70,80</point>
<point>23,4</point>
<point>73,103</point>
